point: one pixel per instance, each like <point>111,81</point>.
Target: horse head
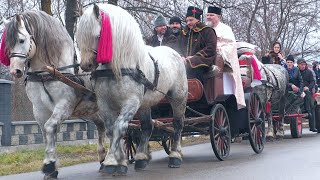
<point>88,37</point>
<point>20,44</point>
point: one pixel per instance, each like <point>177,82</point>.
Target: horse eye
<point>21,41</point>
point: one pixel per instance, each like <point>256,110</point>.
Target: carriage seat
<point>195,91</point>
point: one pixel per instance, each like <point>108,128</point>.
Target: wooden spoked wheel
<point>256,119</point>
<point>220,135</point>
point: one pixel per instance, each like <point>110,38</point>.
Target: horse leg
<point>101,137</point>
<point>143,156</point>
<point>49,167</point>
<point>270,133</point>
<point>175,156</point>
<point>280,128</point>
<point>115,162</point>
<point>60,113</point>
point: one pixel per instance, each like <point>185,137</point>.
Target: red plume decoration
<point>4,54</point>
<point>104,52</point>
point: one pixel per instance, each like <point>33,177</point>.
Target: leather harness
<point>136,74</point>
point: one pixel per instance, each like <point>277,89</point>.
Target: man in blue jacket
<point>295,79</point>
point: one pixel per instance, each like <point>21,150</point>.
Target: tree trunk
<point>46,6</point>
<point>70,16</point>
<point>114,2</point>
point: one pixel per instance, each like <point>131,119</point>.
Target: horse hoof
<point>108,169</point>
<point>269,138</point>
<point>174,162</point>
<point>49,170</point>
<point>140,164</point>
<point>122,170</point>
<point>101,167</point>
<point>53,175</point>
<point>279,137</point>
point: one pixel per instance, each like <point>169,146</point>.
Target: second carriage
<point>211,110</point>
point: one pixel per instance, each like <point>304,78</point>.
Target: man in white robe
<point>226,47</point>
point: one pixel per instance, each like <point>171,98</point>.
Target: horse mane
<point>128,47</point>
<point>49,35</point>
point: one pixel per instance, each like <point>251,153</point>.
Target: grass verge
<point>23,161</point>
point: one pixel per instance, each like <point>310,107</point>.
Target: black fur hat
<point>194,12</point>
<point>215,10</point>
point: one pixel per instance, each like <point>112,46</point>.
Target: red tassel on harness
<point>4,55</point>
<point>256,71</point>
<point>104,52</point>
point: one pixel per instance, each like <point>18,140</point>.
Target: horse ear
<point>5,22</point>
<point>18,18</point>
<point>96,11</point>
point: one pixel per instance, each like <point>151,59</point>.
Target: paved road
<point>288,159</point>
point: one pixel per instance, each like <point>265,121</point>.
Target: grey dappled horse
<point>119,95</point>
<point>275,91</point>
<point>36,40</point>
<point>272,92</point>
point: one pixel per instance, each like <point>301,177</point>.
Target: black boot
<point>312,123</point>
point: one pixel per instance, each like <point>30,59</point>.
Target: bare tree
<point>114,2</point>
<point>46,6</point>
<point>70,16</point>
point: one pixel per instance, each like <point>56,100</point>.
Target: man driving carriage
<point>308,89</point>
<point>198,44</point>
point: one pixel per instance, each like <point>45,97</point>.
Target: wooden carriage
<point>211,110</point>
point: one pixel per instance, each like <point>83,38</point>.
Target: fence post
<point>5,111</point>
<point>90,131</point>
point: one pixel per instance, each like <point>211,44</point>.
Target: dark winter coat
<point>168,40</point>
<point>308,79</point>
<point>272,58</point>
<point>199,42</point>
<point>296,79</point>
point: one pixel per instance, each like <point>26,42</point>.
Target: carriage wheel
<point>220,135</point>
<point>256,117</point>
<point>166,144</point>
<point>131,148</point>
<point>296,123</point>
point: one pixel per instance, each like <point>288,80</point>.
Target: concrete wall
<point>28,132</point>
<point>14,133</point>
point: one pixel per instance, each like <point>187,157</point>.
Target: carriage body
<point>211,110</point>
<point>296,113</point>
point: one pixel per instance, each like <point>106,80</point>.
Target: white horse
<point>119,91</point>
<point>33,41</point>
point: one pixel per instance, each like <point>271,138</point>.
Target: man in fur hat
<point>161,36</point>
<point>226,47</point>
<point>175,25</point>
<point>198,44</point>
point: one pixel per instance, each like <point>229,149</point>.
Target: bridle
<point>24,55</point>
<point>32,43</point>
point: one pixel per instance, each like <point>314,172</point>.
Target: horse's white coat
<point>120,97</point>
